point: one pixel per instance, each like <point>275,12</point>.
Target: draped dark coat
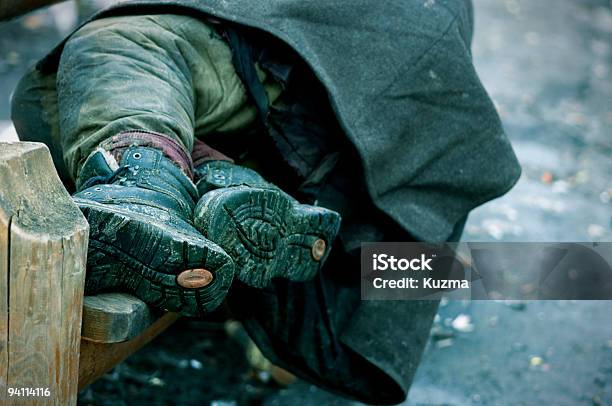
<point>399,78</point>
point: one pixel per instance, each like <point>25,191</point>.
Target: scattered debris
<point>155,381</point>
<point>263,376</point>
<point>65,16</point>
<point>33,21</point>
<point>223,403</point>
<point>443,301</point>
<point>445,343</point>
<point>580,177</point>
<point>463,323</point>
<point>497,228</point>
<point>544,204</point>
<point>596,231</point>
<point>546,177</point>
<point>536,361</point>
<point>195,364</point>
<point>440,333</point>
<point>560,186</point>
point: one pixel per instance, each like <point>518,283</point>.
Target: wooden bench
<point>51,336</point>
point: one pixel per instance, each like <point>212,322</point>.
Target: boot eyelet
<point>87,193</point>
<point>98,189</point>
<point>137,155</point>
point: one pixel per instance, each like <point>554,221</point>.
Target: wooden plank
<point>5,220</point>
<point>114,317</point>
<point>47,240</point>
<point>99,358</point>
<point>14,8</point>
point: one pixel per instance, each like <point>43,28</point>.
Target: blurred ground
<point>548,67</point>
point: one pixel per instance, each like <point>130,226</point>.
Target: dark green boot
<point>141,237</point>
<point>267,233</point>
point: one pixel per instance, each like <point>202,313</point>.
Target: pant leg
<point>167,74</point>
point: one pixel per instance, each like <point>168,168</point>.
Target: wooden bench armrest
<point>43,249</point>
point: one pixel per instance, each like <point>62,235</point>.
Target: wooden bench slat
<point>114,317</point>
<point>98,358</point>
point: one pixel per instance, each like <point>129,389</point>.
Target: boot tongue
<point>140,158</point>
<point>98,165</point>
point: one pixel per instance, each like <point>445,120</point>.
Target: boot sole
<point>267,233</point>
<point>134,253</point>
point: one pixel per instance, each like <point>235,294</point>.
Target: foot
<point>141,238</point>
<point>266,232</point>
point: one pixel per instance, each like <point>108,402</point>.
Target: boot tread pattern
<point>267,233</point>
<point>127,253</point>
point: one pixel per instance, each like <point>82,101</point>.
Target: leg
<point>128,107</point>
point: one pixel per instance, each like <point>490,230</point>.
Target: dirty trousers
<point>166,74</point>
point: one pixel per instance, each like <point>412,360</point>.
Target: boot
<point>142,240</point>
<point>267,233</point>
